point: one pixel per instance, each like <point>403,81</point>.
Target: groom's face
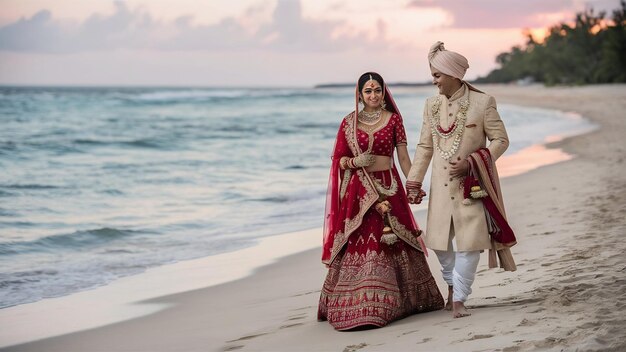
<point>446,84</point>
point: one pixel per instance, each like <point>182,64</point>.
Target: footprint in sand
<point>475,337</point>
<point>244,338</point>
<point>573,271</point>
<point>408,332</point>
<point>353,348</point>
<point>248,337</point>
<point>590,325</point>
<point>526,322</point>
<point>480,336</point>
<point>549,342</point>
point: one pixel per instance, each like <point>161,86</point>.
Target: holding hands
<point>414,192</point>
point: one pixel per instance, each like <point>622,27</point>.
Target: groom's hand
<point>459,168</point>
<point>414,191</point>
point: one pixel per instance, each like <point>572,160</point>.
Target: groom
<point>457,122</point>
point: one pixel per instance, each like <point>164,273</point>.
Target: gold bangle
<point>343,161</point>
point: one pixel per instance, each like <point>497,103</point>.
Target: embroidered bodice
<point>385,138</point>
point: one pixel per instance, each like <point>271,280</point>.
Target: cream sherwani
<point>445,207</point>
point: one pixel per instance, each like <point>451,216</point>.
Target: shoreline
<point>484,297</point>
<point>126,297</point>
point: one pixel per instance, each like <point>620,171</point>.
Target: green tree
<point>592,50</point>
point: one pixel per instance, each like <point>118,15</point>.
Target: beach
<point>568,293</point>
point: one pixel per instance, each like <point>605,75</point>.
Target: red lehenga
<point>370,280</point>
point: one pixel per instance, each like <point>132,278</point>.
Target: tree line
<point>592,50</point>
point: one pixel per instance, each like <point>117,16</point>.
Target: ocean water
<point>100,183</point>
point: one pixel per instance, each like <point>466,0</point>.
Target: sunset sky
<point>258,42</point>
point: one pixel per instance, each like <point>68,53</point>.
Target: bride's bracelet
<point>343,162</point>
<point>413,185</point>
<point>362,160</point>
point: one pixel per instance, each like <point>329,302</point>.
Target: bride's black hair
<point>366,77</point>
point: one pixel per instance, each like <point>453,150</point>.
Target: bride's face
<point>372,95</point>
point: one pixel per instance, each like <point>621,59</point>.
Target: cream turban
<point>447,62</point>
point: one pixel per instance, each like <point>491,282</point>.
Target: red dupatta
<point>483,183</point>
<point>335,234</point>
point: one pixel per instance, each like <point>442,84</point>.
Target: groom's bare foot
<point>459,310</point>
<point>449,303</point>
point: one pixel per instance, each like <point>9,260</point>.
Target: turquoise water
<point>100,183</point>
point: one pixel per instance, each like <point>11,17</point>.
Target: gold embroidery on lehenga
<point>338,239</point>
<point>393,187</point>
<point>365,202</point>
<point>344,183</point>
<point>350,137</point>
<point>374,288</point>
<point>401,231</point>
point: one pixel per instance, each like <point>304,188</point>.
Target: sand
<point>569,292</point>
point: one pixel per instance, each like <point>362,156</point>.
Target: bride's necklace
<point>370,118</point>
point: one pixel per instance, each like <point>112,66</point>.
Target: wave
<point>6,194</point>
<point>6,212</point>
<point>175,95</point>
<point>293,197</point>
<point>237,128</point>
<point>23,277</point>
<point>313,125</point>
<point>137,143</point>
<point>72,241</point>
<point>8,146</point>
<point>207,95</point>
<point>29,186</point>
<point>25,148</point>
<point>274,199</point>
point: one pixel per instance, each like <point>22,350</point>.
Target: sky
<point>259,43</point>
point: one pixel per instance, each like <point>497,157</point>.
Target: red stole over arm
<point>483,183</point>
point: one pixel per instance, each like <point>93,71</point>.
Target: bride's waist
<point>381,163</point>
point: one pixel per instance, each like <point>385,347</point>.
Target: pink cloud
<point>135,29</point>
<point>510,14</point>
